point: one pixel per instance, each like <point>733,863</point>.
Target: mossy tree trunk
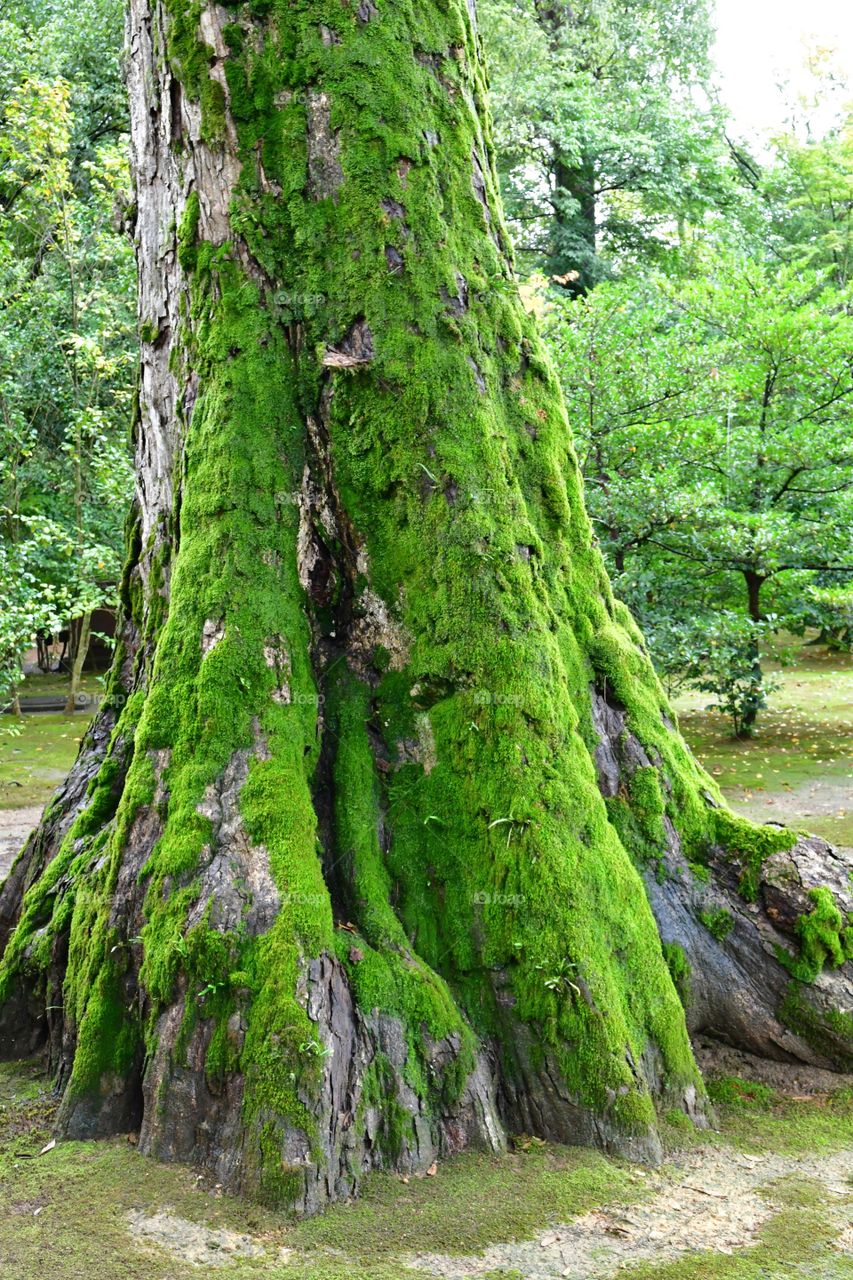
<point>349,872</point>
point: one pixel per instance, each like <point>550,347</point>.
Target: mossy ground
<point>37,755</point>
<point>798,1241</point>
<point>84,1191</point>
<point>39,684</point>
<point>798,768</point>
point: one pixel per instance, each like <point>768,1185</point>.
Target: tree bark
<point>348,873</point>
<point>754,583</point>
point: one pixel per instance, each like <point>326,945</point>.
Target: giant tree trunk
<point>348,872</point>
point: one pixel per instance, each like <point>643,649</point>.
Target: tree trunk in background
<point>573,248</point>
<point>754,583</point>
<point>348,873</point>
<point>80,652</point>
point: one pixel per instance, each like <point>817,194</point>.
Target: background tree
<point>713,422</point>
<point>67,324</point>
<point>349,870</point>
<point>605,138</point>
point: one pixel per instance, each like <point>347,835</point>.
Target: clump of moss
<point>188,232</point>
<point>825,938</point>
<point>718,921</point>
<point>737,1092</point>
<point>751,845</point>
<point>828,1031</point>
<point>679,968</point>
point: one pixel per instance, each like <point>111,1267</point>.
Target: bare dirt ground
<point>796,806</point>
<point>15,826</point>
<point>195,1242</point>
<point>712,1200</point>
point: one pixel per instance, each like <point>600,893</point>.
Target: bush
<point>719,654</point>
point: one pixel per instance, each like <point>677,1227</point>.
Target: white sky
<point>761,42</point>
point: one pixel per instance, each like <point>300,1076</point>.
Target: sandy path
<point>15,826</point>
<point>819,797</point>
<point>716,1199</point>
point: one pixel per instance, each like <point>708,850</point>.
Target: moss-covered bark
<point>358,877</point>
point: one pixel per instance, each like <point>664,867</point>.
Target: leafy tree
<point>66,318</point>
<point>713,420</point>
<point>603,147</point>
<point>720,655</point>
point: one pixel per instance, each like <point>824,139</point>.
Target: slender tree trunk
<point>754,583</point>
<point>81,650</point>
<point>574,249</point>
<point>349,872</point>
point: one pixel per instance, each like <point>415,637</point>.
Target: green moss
<point>647,801</point>
<point>188,232</point>
<point>191,60</point>
<point>750,845</point>
<point>718,921</point>
<point>825,938</point>
<point>679,968</point>
<point>829,1032</point>
<point>736,1092</point>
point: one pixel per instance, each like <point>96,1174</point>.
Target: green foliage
<point>67,342</point>
<point>830,611</point>
<point>712,417</point>
<point>603,148</point>
<point>721,656</point>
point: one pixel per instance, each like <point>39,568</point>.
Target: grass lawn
<point>36,752</point>
<point>37,684</point>
<point>798,769</point>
